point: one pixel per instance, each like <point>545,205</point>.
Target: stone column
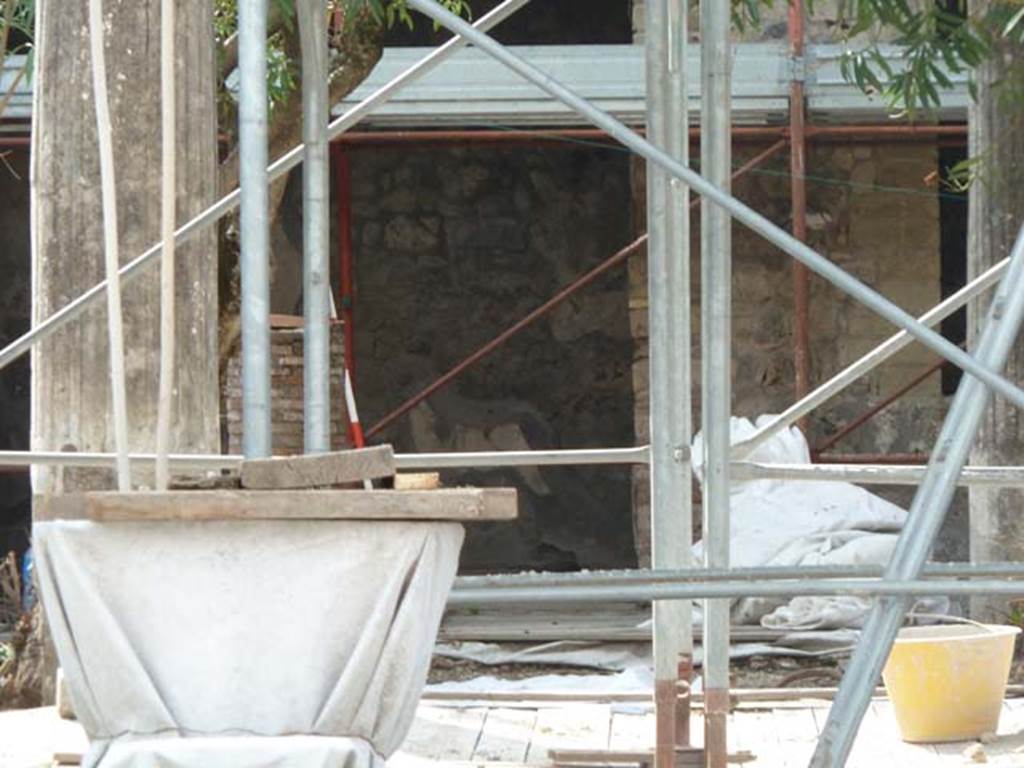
<point>70,380</point>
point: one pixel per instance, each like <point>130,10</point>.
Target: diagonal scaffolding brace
<point>292,159</point>
<point>927,512</point>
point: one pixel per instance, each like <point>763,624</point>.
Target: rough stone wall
<point>15,313</point>
<point>286,367</point>
<point>869,211</point>
<point>452,245</point>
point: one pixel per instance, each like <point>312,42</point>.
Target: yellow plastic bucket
<point>947,682</point>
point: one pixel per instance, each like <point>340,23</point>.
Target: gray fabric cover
<point>245,630</point>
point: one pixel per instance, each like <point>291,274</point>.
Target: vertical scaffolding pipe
<point>798,200</point>
<point>678,245</point>
<point>255,227</point>
<point>316,269</point>
<point>669,312</point>
<point>716,359</point>
<point>924,519</point>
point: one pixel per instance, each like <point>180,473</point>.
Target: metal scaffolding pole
<point>541,458</point>
<point>678,244</point>
<point>230,201</point>
<point>706,575</point>
<point>740,211</point>
<point>898,591</point>
<point>316,340</point>
<point>668,267</point>
<point>874,474</point>
<point>716,360</point>
<point>925,518</point>
<point>255,227</point>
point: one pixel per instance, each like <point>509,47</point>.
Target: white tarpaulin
<point>794,523</point>
<point>245,644</point>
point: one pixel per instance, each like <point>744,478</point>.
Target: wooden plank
<point>872,743</point>
<point>690,757</point>
<point>883,728</point>
<point>320,470</point>
<point>287,321</point>
<point>756,732</point>
<point>797,732</point>
<point>739,742</point>
<point>632,732</point>
<point>1007,746</point>
<point>505,737</point>
<point>417,481</point>
<point>460,504</point>
<point>442,734</point>
<point>581,726</point>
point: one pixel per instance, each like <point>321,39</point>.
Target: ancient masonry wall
<point>871,213</point>
<point>454,244</point>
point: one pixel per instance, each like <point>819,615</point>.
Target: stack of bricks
<point>286,369</point>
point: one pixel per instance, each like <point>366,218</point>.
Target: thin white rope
<point>167,222</point>
<point>108,185</point>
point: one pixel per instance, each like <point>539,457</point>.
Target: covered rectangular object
<point>245,642</point>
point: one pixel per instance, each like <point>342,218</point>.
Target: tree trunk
<point>356,45</point>
<point>70,370</point>
<point>996,211</point>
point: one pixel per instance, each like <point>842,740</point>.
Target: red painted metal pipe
<point>874,410</point>
<point>885,131</point>
<point>541,135</point>
<point>509,332</point>
<point>519,135</point>
<point>870,458</point>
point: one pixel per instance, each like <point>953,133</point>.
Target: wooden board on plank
<point>632,732</point>
<point>319,470</point>
<point>685,758</point>
<point>417,481</point>
<point>442,735</point>
<point>580,726</point>
<point>465,505</point>
<point>287,321</point>
<point>505,737</point>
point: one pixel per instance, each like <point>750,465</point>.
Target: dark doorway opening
<point>551,22</point>
<point>953,250</point>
